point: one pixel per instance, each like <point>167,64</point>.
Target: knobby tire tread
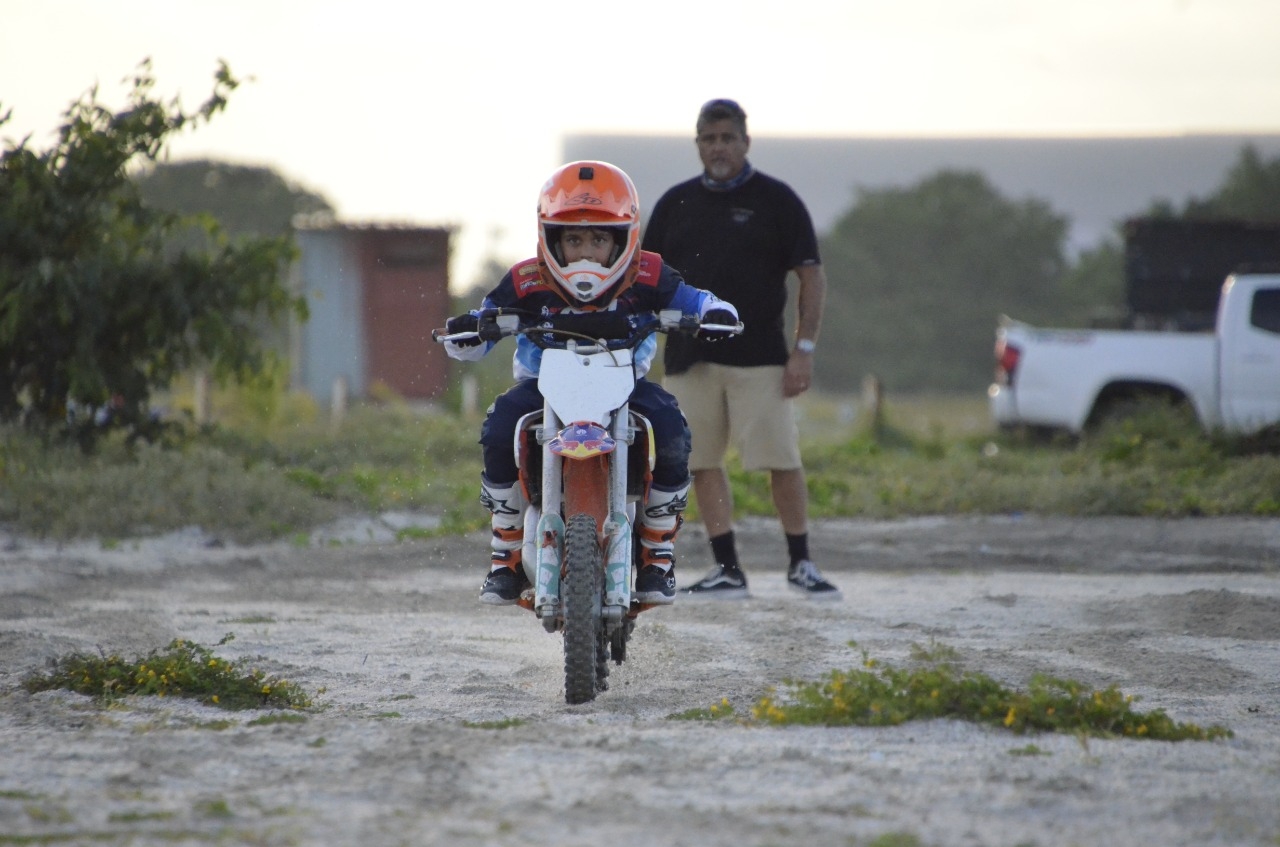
<point>582,588</point>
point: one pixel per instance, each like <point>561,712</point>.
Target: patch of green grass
<point>125,491</point>
<point>934,457</point>
<point>504,723</point>
<point>214,808</point>
<point>417,533</point>
<point>183,669</point>
<point>723,709</point>
<point>879,694</point>
<point>454,521</point>
<point>896,839</point>
<point>16,795</point>
<point>254,478</point>
<point>48,814</point>
<point>138,817</point>
<point>267,720</point>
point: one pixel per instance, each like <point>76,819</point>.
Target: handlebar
<point>593,327</point>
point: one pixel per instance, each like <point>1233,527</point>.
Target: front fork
<point>596,485</point>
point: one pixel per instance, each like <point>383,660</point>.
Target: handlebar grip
<point>489,331</point>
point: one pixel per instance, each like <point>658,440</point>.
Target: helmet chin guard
<point>585,280</point>
<point>589,194</point>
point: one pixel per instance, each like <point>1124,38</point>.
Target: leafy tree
<point>98,307</point>
<point>1093,289</point>
<point>243,199</point>
<point>1250,191</point>
<point>918,277</point>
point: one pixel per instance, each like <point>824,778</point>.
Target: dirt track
<point>1184,614</point>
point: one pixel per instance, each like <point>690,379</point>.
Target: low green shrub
<point>879,694</point>
<point>183,669</point>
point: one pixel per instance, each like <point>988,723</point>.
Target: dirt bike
<point>585,461</point>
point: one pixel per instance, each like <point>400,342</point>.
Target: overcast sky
<point>453,112</point>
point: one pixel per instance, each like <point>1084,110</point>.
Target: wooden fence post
<point>337,403</point>
<point>873,400</point>
<point>203,403</point>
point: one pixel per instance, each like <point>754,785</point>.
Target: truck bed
<point>1061,373</point>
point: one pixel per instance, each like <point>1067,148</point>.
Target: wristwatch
<point>805,345</point>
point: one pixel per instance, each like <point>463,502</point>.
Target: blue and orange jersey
<point>656,286</point>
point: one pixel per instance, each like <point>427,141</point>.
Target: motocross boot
<point>506,579</point>
<point>660,521</point>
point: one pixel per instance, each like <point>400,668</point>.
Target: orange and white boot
<point>506,579</point>
<point>658,524</point>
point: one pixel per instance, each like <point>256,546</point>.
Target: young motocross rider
<point>588,259</point>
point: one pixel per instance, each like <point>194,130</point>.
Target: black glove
<point>464,323</point>
<point>717,316</point>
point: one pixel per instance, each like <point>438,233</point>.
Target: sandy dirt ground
<point>1183,614</point>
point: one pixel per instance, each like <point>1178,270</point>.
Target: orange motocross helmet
<point>598,195</point>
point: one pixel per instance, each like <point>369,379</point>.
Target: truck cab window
<point>1264,313</point>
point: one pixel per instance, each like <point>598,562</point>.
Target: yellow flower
<point>215,698</point>
<point>1011,717</point>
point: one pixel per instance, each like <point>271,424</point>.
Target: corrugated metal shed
<point>374,293</point>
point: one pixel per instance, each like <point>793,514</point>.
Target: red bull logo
<point>582,440</point>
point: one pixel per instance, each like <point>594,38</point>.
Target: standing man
<point>737,233</point>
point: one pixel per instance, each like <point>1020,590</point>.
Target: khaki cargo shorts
<point>741,408</point>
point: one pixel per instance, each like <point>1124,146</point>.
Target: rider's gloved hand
<point>717,316</point>
<point>463,323</point>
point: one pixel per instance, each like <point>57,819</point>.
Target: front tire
<point>582,590</point>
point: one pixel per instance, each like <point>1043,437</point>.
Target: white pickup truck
<point>1068,379</point>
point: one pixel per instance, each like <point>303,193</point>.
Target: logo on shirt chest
<point>740,216</point>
